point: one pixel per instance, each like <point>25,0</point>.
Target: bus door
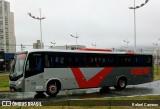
<point>34,72</point>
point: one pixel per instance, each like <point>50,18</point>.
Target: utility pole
<point>126,41</point>
<point>95,45</point>
<point>21,47</point>
<point>76,37</point>
<point>157,50</point>
<point>134,10</point>
<point>54,43</point>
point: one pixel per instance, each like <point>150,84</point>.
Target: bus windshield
<point>18,64</point>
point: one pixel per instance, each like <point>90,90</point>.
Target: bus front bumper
<point>14,86</point>
<point>14,89</point>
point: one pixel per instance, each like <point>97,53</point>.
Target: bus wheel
<point>52,88</point>
<point>121,83</point>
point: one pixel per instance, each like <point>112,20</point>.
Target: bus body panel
<point>64,75</point>
<point>112,78</point>
<point>35,83</point>
<point>69,81</point>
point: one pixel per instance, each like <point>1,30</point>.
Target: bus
<point>53,70</point>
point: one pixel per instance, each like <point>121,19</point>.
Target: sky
<point>104,22</point>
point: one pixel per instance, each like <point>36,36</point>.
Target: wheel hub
<point>122,83</point>
<point>52,89</point>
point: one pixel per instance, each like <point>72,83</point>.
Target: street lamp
<point>123,47</point>
<point>76,39</point>
<point>95,45</point>
<point>126,41</point>
<point>40,18</point>
<point>156,44</point>
<point>54,43</point>
<point>134,8</point>
<point>22,47</point>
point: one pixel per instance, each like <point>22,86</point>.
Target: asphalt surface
<point>142,89</point>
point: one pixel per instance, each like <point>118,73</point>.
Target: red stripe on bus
<point>94,81</point>
<point>95,49</point>
<point>130,53</point>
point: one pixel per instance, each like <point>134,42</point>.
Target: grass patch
<point>156,74</point>
<point>4,84</point>
<point>4,80</point>
<point>156,77</point>
<point>147,97</point>
<point>4,89</point>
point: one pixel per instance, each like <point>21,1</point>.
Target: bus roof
<point>79,51</point>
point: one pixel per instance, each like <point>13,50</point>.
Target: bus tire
<point>53,88</point>
<point>121,83</point>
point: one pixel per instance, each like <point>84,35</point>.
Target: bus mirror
<point>27,69</point>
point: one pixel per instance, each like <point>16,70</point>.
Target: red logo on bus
<point>140,71</point>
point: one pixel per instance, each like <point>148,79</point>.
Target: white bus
<point>53,70</point>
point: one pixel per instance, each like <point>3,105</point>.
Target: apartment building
<point>7,34</point>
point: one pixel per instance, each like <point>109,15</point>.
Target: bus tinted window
<point>110,60</point>
<point>142,61</point>
<point>71,60</point>
<point>34,64</point>
<point>124,61</point>
<point>80,60</point>
<point>67,60</point>
<point>55,60</point>
<point>148,60</point>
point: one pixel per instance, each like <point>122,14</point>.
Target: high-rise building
<point>7,35</point>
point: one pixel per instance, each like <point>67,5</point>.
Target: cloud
<point>106,22</point>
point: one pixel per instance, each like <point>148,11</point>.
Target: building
<point>38,45</point>
<point>67,47</point>
<point>7,35</point>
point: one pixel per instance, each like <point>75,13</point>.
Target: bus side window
<point>89,62</point>
<point>148,61</point>
<point>46,61</point>
<point>34,62</point>
<point>62,61</point>
<point>138,61</point>
<point>38,63</point>
<point>50,61</point>
<point>111,61</point>
<point>59,61</point>
<point>80,61</point>
<point>97,61</point>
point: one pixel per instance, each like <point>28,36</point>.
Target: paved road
<point>143,89</point>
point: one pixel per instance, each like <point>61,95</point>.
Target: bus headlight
<point>19,82</point>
